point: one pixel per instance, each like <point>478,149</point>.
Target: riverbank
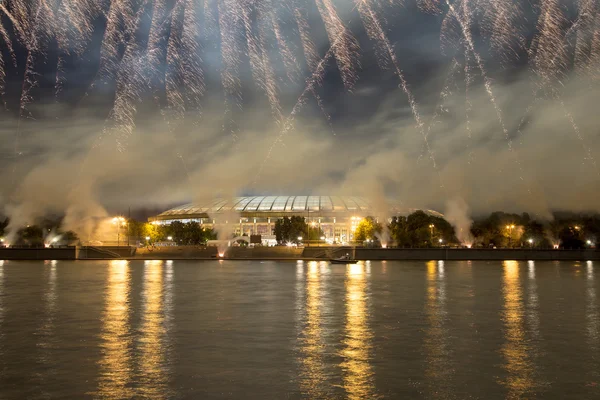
<point>285,253</point>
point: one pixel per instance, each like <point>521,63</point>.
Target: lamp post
<point>119,222</point>
<point>510,228</point>
<point>530,243</point>
<point>322,240</point>
<point>441,241</point>
<point>431,227</point>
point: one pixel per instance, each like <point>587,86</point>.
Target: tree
<point>571,238</point>
<point>288,230</point>
<point>69,238</point>
<point>32,235</point>
<point>190,233</point>
<point>399,232</point>
<point>136,230</point>
<point>154,231</point>
<point>283,228</point>
<point>3,226</point>
<point>421,230</point>
<point>368,228</point>
<point>534,231</point>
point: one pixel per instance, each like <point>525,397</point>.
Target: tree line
<point>419,229</point>
<point>499,229</point>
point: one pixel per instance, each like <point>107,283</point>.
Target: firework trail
<point>159,39</point>
<point>430,6</point>
<point>308,45</point>
<point>311,56</point>
<point>183,69</point>
<point>377,33</point>
<point>75,29</point>
<point>120,27</point>
<point>8,44</point>
<point>468,104</point>
<point>36,43</point>
<point>192,73</point>
<point>230,26</point>
<point>344,45</point>
<point>288,124</point>
<point>468,39</point>
<point>589,157</point>
<point>154,46</point>
<point>174,74</point>
<point>286,48</point>
<point>503,20</point>
<point>130,82</point>
<point>548,54</point>
<point>444,94</point>
<point>260,62</point>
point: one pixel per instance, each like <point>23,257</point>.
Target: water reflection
<point>438,367</point>
<point>532,302</point>
<point>115,365</point>
<point>311,369</point>
<point>49,297</point>
<point>591,308</point>
<point>1,305</point>
<point>45,333</point>
<point>519,381</point>
<point>153,365</point>
<point>358,373</point>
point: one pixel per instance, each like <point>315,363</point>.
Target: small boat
<point>342,260</point>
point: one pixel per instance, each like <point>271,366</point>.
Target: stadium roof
<point>278,205</point>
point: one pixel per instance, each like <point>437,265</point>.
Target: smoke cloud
<point>362,142</point>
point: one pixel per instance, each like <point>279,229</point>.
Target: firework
<point>161,49</point>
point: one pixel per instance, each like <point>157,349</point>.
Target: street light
<point>170,238</point>
<point>530,242</point>
<point>441,241</point>
<point>431,226</point>
<point>119,222</point>
<point>510,228</point>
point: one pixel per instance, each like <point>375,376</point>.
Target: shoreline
<point>306,254</point>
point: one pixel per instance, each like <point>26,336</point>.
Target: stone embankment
<point>287,253</point>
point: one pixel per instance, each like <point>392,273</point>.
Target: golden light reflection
<point>45,334</point>
<point>1,294</point>
<point>46,329</point>
<point>592,309</point>
<point>152,352</point>
<point>358,373</point>
<point>311,370</point>
<point>532,301</point>
<point>518,365</point>
<point>115,364</point>
<point>436,347</point>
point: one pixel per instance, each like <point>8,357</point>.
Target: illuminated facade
<point>336,216</point>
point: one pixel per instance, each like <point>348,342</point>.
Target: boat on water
<point>343,260</point>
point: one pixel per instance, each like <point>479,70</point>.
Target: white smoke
<point>457,213</point>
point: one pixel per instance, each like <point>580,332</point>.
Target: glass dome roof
<point>279,204</point>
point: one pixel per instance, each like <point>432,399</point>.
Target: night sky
<point>527,142</point>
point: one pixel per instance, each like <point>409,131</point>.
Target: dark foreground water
<point>276,330</point>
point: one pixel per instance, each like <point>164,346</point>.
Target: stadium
<point>336,216</point>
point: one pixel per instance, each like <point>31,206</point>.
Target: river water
<point>275,330</point>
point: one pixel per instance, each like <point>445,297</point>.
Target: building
<point>336,216</point>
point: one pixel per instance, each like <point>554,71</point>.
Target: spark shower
<point>155,50</point>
